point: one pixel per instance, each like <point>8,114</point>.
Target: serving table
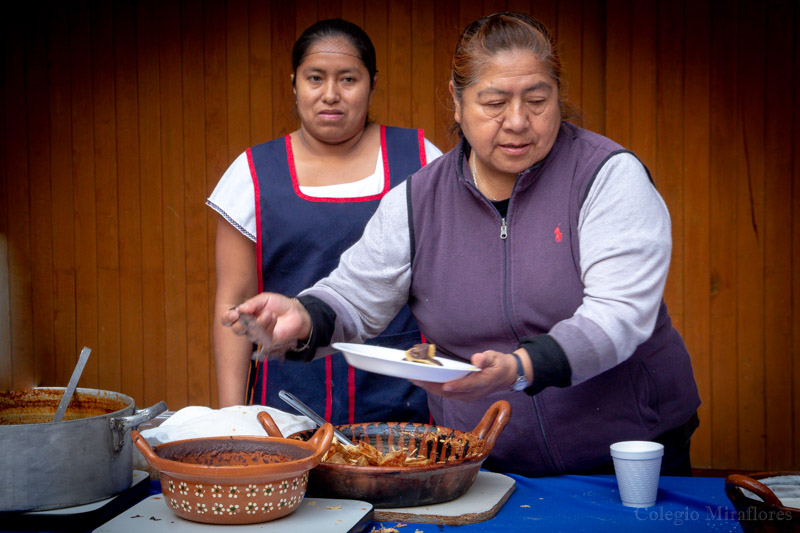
<point>564,503</point>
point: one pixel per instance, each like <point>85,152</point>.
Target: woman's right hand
<point>273,321</point>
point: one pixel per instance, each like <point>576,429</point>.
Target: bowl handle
<point>745,482</point>
<point>492,423</point>
<point>269,425</point>
<point>321,440</point>
<point>144,447</point>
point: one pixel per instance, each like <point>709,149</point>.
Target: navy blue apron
<point>300,240</point>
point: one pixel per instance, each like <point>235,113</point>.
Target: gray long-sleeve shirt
<point>625,244</point>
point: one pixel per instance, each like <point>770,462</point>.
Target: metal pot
<point>84,458</point>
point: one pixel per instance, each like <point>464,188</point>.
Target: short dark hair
<point>325,29</point>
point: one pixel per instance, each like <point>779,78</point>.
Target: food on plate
<point>422,353</point>
<point>365,454</point>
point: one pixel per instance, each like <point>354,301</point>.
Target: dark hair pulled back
<point>502,32</point>
<point>333,28</point>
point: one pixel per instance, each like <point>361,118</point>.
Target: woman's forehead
<point>511,66</point>
<point>331,46</point>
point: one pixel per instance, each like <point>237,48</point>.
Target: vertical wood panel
<point>130,202</point>
<point>669,129</point>
<point>618,71</point>
<point>63,202</point>
<point>283,37</point>
<point>749,235</point>
<point>40,201</point>
<point>238,78</point>
<point>329,9</point>
<point>593,65</point>
<point>260,73</point>
<point>494,6</point>
<point>446,23</point>
<point>304,16</point>
<point>643,82</point>
<point>778,264</point>
<point>353,10</point>
<point>216,137</point>
<point>796,238</point>
<point>423,100</point>
<point>468,12</point>
<point>398,77</point>
<point>153,324</point>
<point>6,378</point>
<point>376,25</point>
<point>724,384</point>
<point>106,197</point>
<point>547,12</point>
<point>173,210</point>
<point>18,219</point>
<point>83,176</point>
<point>568,28</point>
<point>696,212</point>
<point>198,345</point>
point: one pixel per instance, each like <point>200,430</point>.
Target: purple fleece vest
<point>472,290</point>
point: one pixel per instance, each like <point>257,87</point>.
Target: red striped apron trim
<point>351,394</point>
<point>328,387</point>
<point>259,259</point>
<point>423,157</point>
<point>296,184</point>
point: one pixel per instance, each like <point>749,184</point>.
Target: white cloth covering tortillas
<point>196,422</point>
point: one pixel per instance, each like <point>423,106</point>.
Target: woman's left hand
<point>498,373</point>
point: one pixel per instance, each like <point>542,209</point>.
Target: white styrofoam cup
<point>637,465</point>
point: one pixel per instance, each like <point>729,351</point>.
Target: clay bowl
<point>235,480</point>
<point>458,458</point>
<point>768,514</point>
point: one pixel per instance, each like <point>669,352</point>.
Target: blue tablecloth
<point>583,503</point>
<point>592,504</point>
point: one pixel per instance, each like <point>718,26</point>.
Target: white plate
<point>389,362</point>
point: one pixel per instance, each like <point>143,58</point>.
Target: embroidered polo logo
<point>557,233</point>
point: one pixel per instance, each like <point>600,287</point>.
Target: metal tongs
<point>302,408</point>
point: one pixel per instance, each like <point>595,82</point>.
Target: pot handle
<point>321,440</point>
<point>269,425</point>
<point>734,481</point>
<point>121,424</point>
<point>492,423</point>
<point>144,447</point>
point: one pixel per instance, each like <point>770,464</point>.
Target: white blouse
<point>234,197</point>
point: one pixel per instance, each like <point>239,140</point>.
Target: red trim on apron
<point>328,388</point>
<point>386,183</point>
<point>423,157</point>
<point>296,184</point>
<point>351,394</point>
<point>259,241</point>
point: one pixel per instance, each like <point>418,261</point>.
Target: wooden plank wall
<point>119,117</point>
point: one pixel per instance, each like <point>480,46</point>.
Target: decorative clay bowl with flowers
<point>235,480</point>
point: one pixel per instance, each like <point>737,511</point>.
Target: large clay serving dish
<point>235,480</point>
<point>766,501</point>
<point>458,458</point>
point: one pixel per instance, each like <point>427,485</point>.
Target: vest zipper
<point>536,406</point>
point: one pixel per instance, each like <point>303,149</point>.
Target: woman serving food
<point>535,249</point>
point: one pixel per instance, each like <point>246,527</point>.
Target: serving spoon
<point>73,383</point>
<point>302,408</point>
